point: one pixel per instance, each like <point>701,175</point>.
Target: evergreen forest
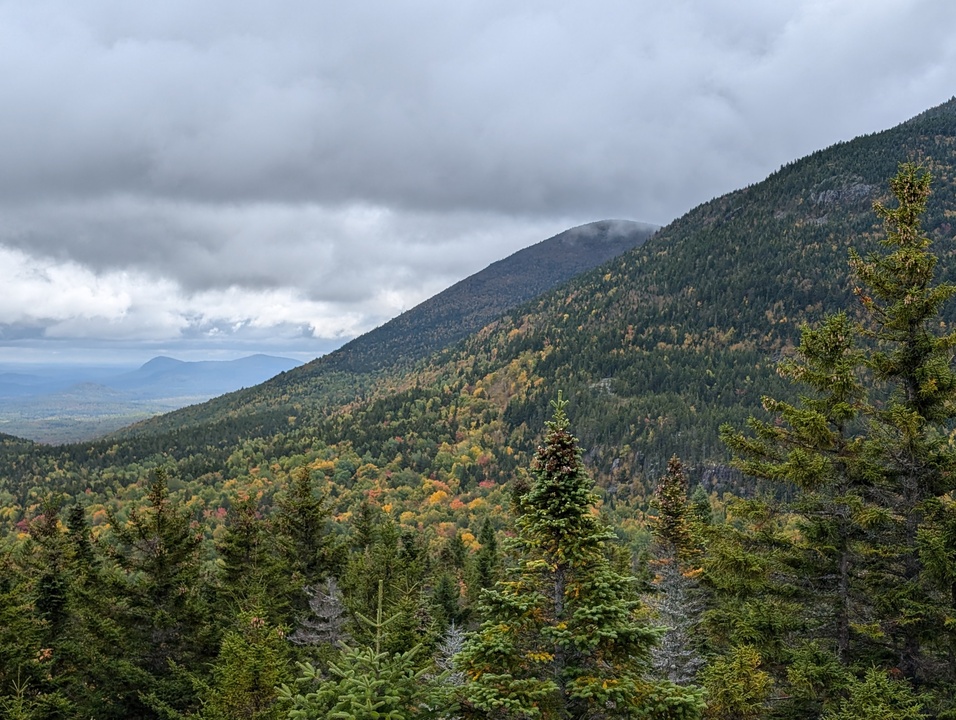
<point>714,477</point>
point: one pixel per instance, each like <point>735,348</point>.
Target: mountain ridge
<point>442,320</point>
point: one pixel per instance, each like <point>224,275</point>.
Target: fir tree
<point>816,446</point>
<point>166,614</point>
<point>869,573</point>
<point>676,598</point>
<point>80,643</point>
<point>486,560</point>
<point>909,438</point>
<point>673,526</point>
<point>252,572</point>
<point>325,622</point>
<point>253,661</point>
<point>303,529</point>
<point>369,683</point>
<point>700,507</point>
<point>562,637</point>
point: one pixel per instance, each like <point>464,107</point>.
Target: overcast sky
<point>209,178</point>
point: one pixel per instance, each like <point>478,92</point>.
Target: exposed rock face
<point>851,191</point>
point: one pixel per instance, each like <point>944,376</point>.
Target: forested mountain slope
<point>663,344</point>
<point>440,321</point>
<point>653,350</point>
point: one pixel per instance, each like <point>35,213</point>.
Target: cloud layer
<point>287,172</point>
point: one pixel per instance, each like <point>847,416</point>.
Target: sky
<point>211,179</point>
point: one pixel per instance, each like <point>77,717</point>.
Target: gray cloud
<point>335,163</point>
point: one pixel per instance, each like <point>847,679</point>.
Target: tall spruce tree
<point>816,445</point>
<point>910,434</point>
<point>83,638</point>
<point>804,557</point>
<point>252,570</point>
<point>562,637</point>
<point>486,560</point>
<point>165,604</point>
<point>302,527</point>
<point>870,570</point>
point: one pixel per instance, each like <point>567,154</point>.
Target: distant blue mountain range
<point>64,403</point>
<point>166,377</point>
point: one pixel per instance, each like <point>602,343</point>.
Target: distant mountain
<point>165,377</point>
<point>437,323</point>
<point>17,380</point>
<point>70,404</point>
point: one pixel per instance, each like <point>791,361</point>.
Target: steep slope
<point>661,345</point>
<point>667,342</point>
<point>438,322</point>
<point>470,304</point>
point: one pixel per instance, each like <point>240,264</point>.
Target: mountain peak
<point>605,231</point>
<point>161,362</point>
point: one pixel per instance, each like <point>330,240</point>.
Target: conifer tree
<point>700,507</point>
<point>445,602</point>
<point>816,446</point>
<point>166,614</point>
<point>78,641</point>
<point>252,571</point>
<point>324,625</point>
<point>455,553</point>
<point>910,439</point>
<point>303,528</point>
<point>253,661</point>
<point>673,526</point>
<point>22,685</point>
<point>870,571</point>
<point>486,560</point>
<point>561,636</point>
<point>676,598</point>
<point>369,683</point>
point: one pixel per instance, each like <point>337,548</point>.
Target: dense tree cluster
<point>289,618</point>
